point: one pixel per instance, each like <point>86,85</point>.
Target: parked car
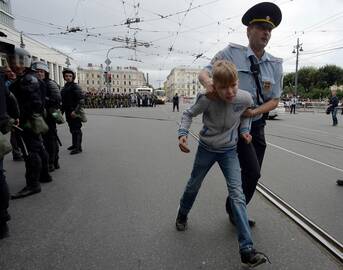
<point>280,109</point>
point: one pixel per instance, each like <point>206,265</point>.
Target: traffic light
<point>105,76</point>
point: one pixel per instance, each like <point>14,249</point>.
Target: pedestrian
<point>260,74</point>
<point>8,109</point>
<point>333,107</point>
<point>52,104</point>
<point>30,94</point>
<point>217,143</point>
<point>72,105</point>
<point>293,104</point>
<point>175,102</point>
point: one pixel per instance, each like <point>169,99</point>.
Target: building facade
<point>184,81</point>
<point>121,80</point>
<point>55,59</point>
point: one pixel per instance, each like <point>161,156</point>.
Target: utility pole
<point>296,50</point>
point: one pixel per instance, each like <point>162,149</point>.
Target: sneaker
<point>253,258</point>
<point>4,231</point>
<point>181,222</point>
<point>71,147</point>
<point>26,191</point>
<point>339,182</point>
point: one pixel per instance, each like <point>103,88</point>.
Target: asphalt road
<point>114,205</point>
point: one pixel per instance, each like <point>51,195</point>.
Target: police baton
<point>21,142</point>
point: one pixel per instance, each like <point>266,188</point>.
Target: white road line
<point>313,130</point>
<point>300,155</point>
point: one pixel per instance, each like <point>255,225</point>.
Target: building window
<point>129,82</point>
<point>87,80</point>
<point>124,82</point>
<point>117,76</point>
<point>124,90</point>
<point>124,76</point>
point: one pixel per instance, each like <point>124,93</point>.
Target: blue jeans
<point>229,164</point>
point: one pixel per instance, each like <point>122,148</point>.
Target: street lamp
<point>296,50</point>
<point>107,69</point>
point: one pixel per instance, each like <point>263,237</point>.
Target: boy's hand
<point>246,137</point>
<point>183,144</point>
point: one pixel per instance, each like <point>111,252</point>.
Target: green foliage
<point>314,82</point>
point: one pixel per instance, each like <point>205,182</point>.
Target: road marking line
<point>314,130</point>
<point>300,155</point>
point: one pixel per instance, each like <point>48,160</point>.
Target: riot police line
<point>101,99</point>
<point>31,105</point>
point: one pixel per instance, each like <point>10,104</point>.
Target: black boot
<point>26,191</point>
<point>78,142</point>
<point>4,231</point>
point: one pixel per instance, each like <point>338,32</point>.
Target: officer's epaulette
<point>237,46</point>
<point>275,59</point>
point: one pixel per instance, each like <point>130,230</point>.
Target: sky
<point>177,32</point>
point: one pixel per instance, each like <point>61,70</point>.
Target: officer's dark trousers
<point>292,109</point>
<point>16,152</point>
<point>76,133</point>
<point>4,195</point>
<point>50,142</point>
<point>250,159</point>
<point>176,105</point>
<point>36,162</point>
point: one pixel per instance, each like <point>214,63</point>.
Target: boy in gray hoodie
<point>222,124</point>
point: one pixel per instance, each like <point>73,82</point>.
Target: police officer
<point>72,103</point>
<point>52,103</point>
<point>176,102</point>
<point>259,73</point>
<point>8,109</point>
<point>30,94</point>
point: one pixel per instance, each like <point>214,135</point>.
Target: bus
<point>144,90</point>
<point>144,96</point>
<point>160,96</point>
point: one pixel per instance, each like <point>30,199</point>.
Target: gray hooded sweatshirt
<point>221,121</point>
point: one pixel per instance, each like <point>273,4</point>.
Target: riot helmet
<point>40,65</point>
<point>22,57</point>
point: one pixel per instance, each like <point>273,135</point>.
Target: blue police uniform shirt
<point>271,72</point>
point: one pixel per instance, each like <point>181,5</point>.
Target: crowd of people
<point>31,106</point>
<point>102,99</point>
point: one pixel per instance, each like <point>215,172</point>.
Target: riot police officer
<point>30,94</point>
<point>72,104</point>
<point>52,104</point>
<point>8,109</point>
